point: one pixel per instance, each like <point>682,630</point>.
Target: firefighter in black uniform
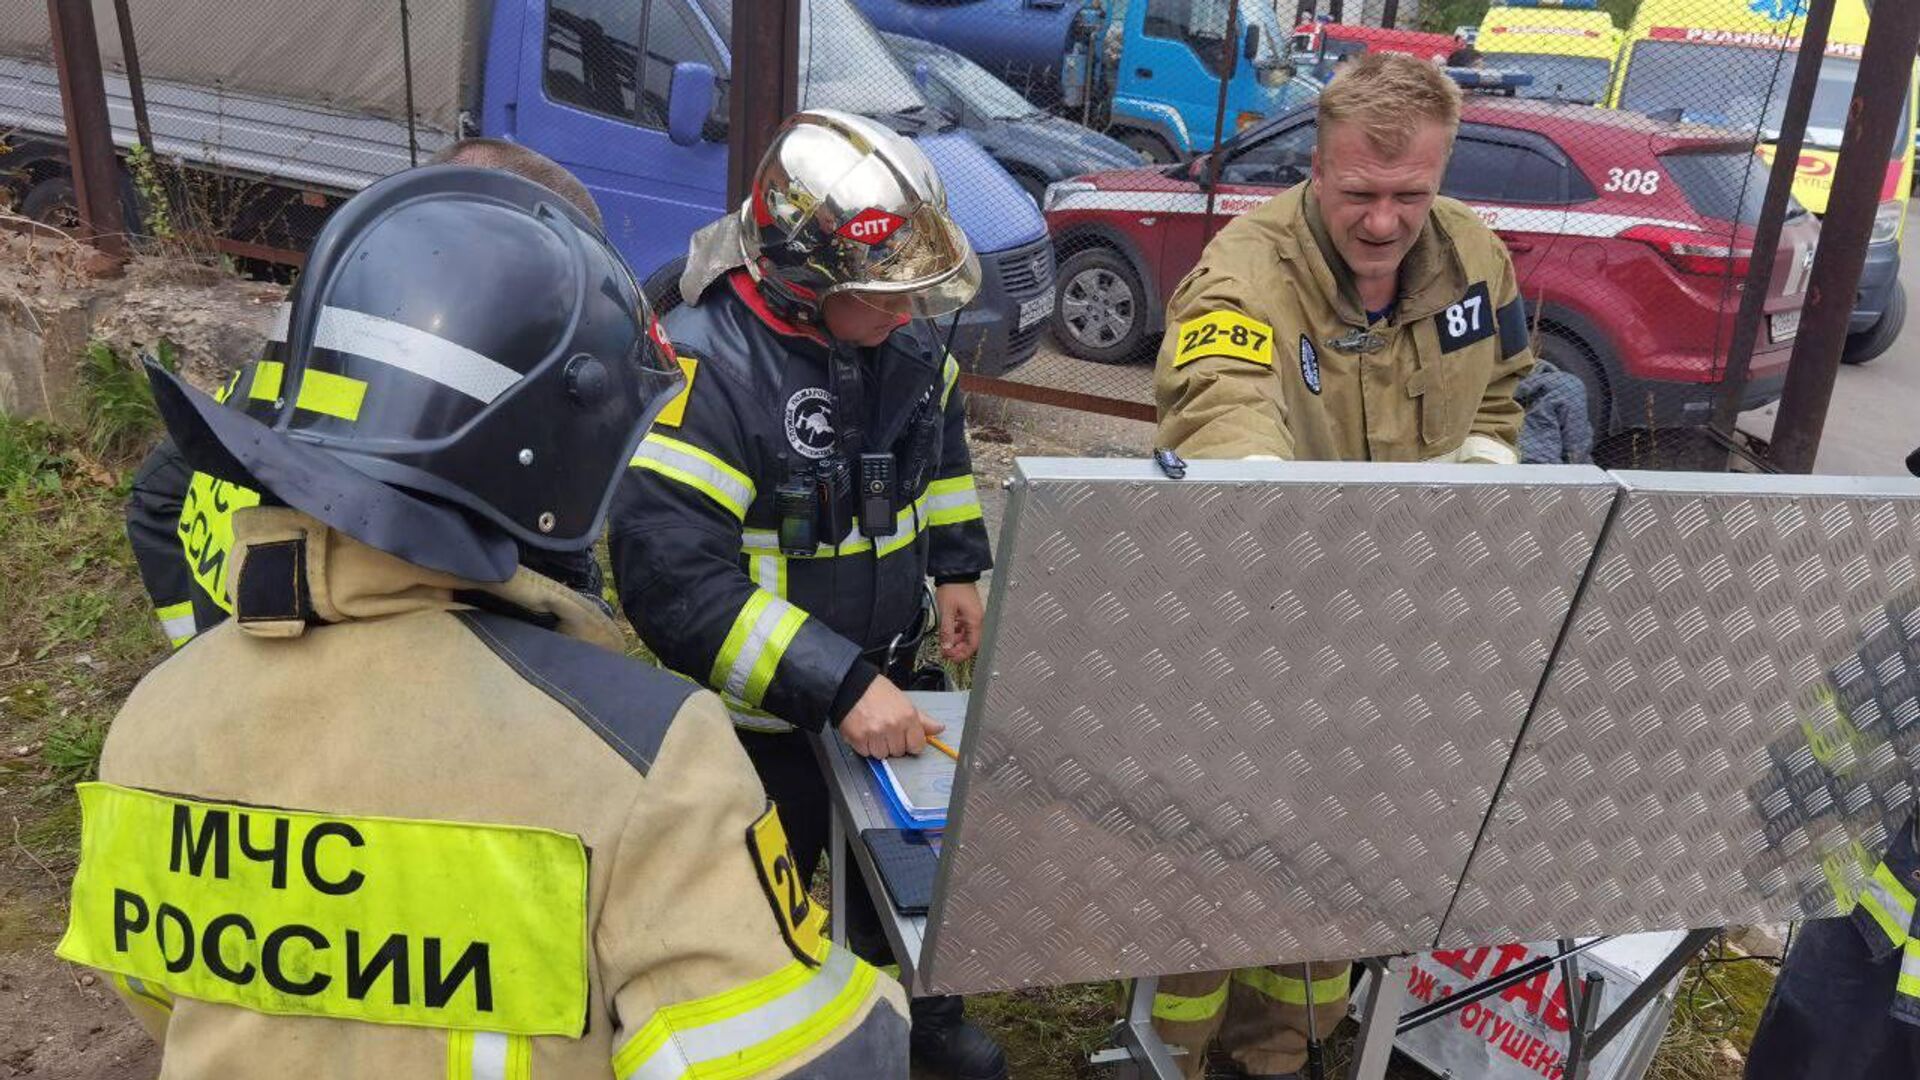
<point>777,530</point>
<point>180,522</point>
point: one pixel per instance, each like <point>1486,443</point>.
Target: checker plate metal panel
<point>1253,716</point>
<point>1731,728</point>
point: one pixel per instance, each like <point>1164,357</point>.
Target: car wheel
<point>1879,337</point>
<point>1574,357</point>
<point>1148,145</point>
<point>52,202</point>
<point>1102,313</point>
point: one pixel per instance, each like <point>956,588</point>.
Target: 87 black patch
<point>1468,320</point>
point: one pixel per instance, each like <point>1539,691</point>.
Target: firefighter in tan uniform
<point>1357,317</point>
<point>412,812</point>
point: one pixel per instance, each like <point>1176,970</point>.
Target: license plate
<point>1783,326</point>
<point>1032,311</point>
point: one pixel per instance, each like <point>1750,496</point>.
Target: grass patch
<point>79,630</point>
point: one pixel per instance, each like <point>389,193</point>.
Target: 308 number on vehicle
<point>1633,181</point>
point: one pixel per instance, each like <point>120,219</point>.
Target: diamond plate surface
<point>1253,716</point>
<point>1731,728</point>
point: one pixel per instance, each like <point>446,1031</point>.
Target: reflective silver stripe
<point>489,1056</point>
<point>426,355</point>
<point>756,643</point>
<point>282,315</point>
<point>746,716</point>
<point>953,500</point>
<point>766,573</point>
<point>1897,908</point>
<point>692,1046</point>
<point>724,485</point>
<point>179,627</point>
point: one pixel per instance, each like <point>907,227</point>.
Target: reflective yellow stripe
<point>726,1037</point>
<point>488,1055</point>
<point>952,501</point>
<point>758,639</point>
<point>1291,991</point>
<point>769,571</point>
<point>949,377</point>
<point>1909,983</point>
<point>752,719</point>
<point>266,380</point>
<point>146,991</point>
<point>697,469</point>
<point>176,621</point>
<point>1188,1010</point>
<point>1890,904</point>
<point>334,395</point>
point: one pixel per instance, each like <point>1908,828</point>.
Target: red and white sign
<point>1521,1032</point>
<point>872,225</point>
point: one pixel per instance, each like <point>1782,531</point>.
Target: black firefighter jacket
<point>695,533</point>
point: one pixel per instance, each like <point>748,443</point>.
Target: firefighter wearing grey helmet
<point>777,530</point>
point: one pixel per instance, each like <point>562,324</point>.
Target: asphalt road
<point>1873,421</point>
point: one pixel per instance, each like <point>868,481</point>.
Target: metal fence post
<point>1773,212</point>
<point>1885,61</point>
<point>766,84</point>
<point>83,98</point>
<point>136,86</point>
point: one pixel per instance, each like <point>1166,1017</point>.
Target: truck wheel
<point>1572,356</point>
<point>52,202</point>
<point>1878,338</point>
<point>1102,314</point>
<point>1152,146</point>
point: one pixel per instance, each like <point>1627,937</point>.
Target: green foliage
<point>118,403</point>
<point>155,206</point>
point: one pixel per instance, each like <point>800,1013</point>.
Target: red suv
<point>1630,238</point>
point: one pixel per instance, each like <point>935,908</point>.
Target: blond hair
<point>1389,97</point>
<point>481,152</point>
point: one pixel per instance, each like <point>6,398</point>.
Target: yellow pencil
<point>943,748</point>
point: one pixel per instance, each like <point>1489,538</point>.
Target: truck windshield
<point>844,66</point>
<point>1581,79</point>
<point>1743,88</point>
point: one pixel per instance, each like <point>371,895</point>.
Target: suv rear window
<point>1726,185</point>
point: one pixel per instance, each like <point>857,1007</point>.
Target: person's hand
<point>961,614</point>
<point>884,723</point>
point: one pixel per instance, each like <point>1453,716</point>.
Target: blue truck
<point>1147,72</point>
<point>628,94</point>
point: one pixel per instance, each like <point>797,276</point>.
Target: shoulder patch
<point>802,921</point>
<point>1513,328</point>
<point>1224,333</point>
<point>1309,364</point>
<point>1467,320</point>
<point>629,704</point>
<point>675,411</point>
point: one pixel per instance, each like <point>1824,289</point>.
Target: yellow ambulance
<point>1730,63</point>
<point>1568,46</point>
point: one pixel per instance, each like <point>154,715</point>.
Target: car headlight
<point>1060,189</point>
<point>1886,222</point>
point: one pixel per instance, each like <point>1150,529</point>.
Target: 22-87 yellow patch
<point>675,411</point>
<point>801,920</point>
<point>1225,333</point>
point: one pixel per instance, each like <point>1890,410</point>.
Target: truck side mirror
<point>921,73</point>
<point>689,101</point>
<point>1913,463</point>
<point>1251,48</point>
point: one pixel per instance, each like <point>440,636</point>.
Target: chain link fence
<point>1091,149</point>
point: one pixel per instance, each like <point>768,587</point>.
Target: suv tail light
<point>1694,252</point>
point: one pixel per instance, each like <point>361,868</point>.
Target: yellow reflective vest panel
<point>1268,351</point>
<point>366,829</point>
